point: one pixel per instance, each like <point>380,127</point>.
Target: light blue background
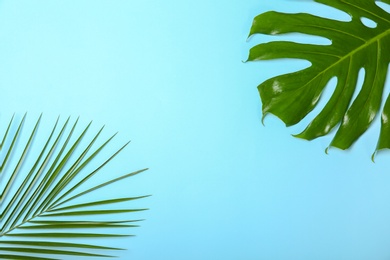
<point>169,76</point>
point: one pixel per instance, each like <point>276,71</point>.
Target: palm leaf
<point>353,46</point>
<point>45,190</point>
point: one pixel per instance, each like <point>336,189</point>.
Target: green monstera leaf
<point>49,208</point>
<point>354,46</point>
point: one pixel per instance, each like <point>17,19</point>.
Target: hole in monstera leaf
<point>386,90</point>
<point>290,37</point>
<point>307,39</point>
<point>328,12</point>
<point>327,93</point>
<point>368,22</point>
<point>324,98</point>
<point>384,6</point>
<point>359,84</point>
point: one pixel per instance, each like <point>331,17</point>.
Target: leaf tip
<point>249,36</point>
<point>373,157</point>
<point>300,136</point>
<point>262,118</point>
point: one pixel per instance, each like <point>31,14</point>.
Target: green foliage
<point>353,46</point>
<point>46,205</point>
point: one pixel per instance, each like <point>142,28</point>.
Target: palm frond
<point>46,198</point>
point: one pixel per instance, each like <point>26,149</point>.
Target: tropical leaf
<point>354,45</point>
<point>46,193</point>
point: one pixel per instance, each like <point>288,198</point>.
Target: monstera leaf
<point>48,201</point>
<point>354,46</point>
